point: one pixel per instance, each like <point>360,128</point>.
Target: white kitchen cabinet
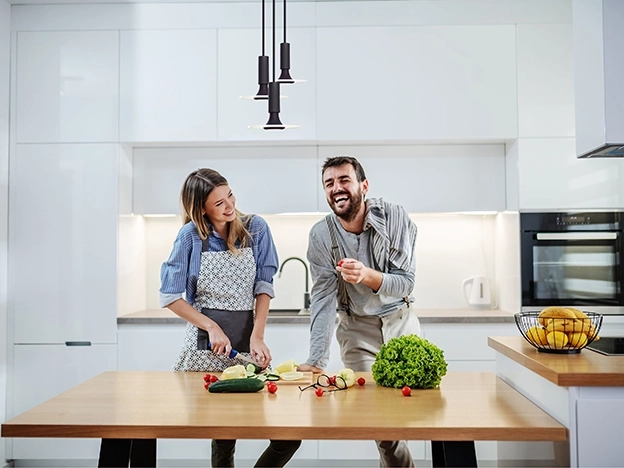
<point>168,85</point>
<point>429,178</point>
<point>149,347</point>
<point>238,76</point>
<point>552,178</point>
<point>62,243</point>
<point>68,86</point>
<point>41,372</point>
<point>465,345</point>
<point>416,82</point>
<point>265,180</point>
<point>545,80</point>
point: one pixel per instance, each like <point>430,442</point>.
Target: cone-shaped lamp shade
<point>274,122</point>
<point>285,65</point>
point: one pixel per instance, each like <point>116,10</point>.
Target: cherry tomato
<point>406,391</point>
<point>332,380</point>
<point>207,384</point>
<point>340,262</point>
<point>207,377</point>
<point>319,392</point>
<point>272,387</point>
<point>361,381</point>
<point>213,378</point>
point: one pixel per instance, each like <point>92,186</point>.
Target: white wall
<point>449,248</point>
<point>5,41</point>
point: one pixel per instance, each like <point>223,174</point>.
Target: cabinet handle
<point>77,343</point>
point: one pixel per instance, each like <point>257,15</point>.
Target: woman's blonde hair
<point>193,196</point>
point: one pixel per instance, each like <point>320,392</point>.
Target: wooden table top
<point>584,369</point>
<point>467,406</point>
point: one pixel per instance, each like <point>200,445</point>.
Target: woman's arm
<point>259,350</point>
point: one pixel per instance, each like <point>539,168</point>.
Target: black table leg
<point>453,454</point>
<point>122,453</point>
<point>143,453</point>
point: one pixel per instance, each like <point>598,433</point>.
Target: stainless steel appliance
<point>572,259</point>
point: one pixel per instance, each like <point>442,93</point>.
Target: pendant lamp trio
<point>270,90</point>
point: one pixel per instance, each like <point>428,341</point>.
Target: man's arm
<point>323,300</point>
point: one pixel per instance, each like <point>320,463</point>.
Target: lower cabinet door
<point>41,372</point>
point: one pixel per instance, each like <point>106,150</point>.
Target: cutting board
<point>305,380</point>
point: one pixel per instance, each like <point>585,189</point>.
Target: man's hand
<point>309,368</point>
<point>355,272</point>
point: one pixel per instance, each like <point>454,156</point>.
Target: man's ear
<point>365,186</point>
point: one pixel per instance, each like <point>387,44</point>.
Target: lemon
<point>295,375</point>
<point>557,339</point>
<point>577,340</point>
<point>537,335</point>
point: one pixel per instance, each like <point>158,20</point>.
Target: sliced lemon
<point>291,375</point>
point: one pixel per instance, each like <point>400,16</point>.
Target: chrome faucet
<point>306,295</point>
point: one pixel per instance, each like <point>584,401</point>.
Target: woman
<point>221,266</point>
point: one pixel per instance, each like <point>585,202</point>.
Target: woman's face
<point>220,205</point>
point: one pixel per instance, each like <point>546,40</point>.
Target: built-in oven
<point>572,259</point>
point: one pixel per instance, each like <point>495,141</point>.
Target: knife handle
<point>233,352</point>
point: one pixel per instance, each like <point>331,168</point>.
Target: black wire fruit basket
<point>563,335</point>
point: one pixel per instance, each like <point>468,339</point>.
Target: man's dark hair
<point>337,161</point>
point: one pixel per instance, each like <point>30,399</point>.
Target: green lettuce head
<point>409,360</point>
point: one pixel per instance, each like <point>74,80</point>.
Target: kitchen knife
<point>235,354</point>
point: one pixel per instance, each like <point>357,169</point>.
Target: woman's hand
<point>259,352</point>
<point>219,342</point>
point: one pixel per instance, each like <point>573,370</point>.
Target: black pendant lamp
<point>263,71</point>
<point>274,122</point>
<point>285,59</point>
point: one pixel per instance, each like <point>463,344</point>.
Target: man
<point>362,259</point>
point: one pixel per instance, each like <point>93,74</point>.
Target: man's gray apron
<point>224,293</point>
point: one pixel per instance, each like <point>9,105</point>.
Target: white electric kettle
<point>477,292</point>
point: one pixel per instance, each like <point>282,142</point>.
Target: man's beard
<point>355,202</point>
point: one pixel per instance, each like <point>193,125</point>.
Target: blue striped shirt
<point>178,275</point>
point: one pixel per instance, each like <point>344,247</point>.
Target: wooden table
<point>120,407</point>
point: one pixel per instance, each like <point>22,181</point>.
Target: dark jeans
<point>278,453</point>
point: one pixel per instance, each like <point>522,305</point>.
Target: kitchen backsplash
<point>449,249</point>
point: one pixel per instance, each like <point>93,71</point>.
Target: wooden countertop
<point>585,369</point>
<point>467,406</point>
<point>165,316</point>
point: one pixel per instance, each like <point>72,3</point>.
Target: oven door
<point>572,268</point>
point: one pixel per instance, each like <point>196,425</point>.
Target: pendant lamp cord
<point>273,57</point>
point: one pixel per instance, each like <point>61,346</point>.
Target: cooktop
<point>608,345</point>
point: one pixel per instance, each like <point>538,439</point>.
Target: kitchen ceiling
<point>56,2</point>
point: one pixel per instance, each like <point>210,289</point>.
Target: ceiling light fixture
<point>263,71</point>
<point>274,122</point>
<point>285,58</point>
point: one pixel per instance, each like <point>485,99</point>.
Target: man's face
<point>345,195</point>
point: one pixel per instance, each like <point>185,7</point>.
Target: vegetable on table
<point>361,381</point>
<point>272,387</point>
<point>406,391</point>
<point>319,391</point>
<point>286,366</point>
<point>241,385</point>
<point>234,372</point>
<point>409,361</point>
<point>348,375</point>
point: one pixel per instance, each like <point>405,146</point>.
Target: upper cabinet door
<point>168,85</point>
<point>545,81</point>
<point>433,178</point>
<point>63,243</point>
<point>416,83</point>
<point>265,180</point>
<point>68,86</point>
<point>238,76</point>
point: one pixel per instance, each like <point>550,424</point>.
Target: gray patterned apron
<point>224,293</point>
